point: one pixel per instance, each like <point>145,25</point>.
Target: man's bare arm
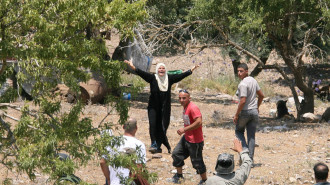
<point>196,124</point>
<point>260,98</point>
<point>105,169</point>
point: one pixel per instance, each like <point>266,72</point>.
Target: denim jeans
<point>247,119</point>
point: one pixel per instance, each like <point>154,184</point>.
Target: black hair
<point>321,171</point>
<point>243,65</point>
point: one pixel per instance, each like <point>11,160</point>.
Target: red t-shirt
<point>189,115</point>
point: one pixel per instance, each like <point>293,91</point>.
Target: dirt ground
<point>286,150</point>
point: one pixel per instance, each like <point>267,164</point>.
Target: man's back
<point>130,143</point>
<point>248,88</point>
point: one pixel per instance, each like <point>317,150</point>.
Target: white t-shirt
<point>248,88</point>
<point>129,142</point>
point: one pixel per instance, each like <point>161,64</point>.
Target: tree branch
<point>3,67</point>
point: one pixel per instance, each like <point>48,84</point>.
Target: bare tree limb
<point>10,135</point>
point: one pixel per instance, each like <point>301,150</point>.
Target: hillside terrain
<point>286,152</point>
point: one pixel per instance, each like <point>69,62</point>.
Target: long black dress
<point>159,106</point>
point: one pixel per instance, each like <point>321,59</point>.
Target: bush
<point>9,96</point>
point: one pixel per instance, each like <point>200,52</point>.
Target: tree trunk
<point>307,105</point>
<point>235,65</point>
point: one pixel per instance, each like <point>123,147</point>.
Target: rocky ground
<point>286,152</point>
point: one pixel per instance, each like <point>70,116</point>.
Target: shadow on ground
<point>270,125</point>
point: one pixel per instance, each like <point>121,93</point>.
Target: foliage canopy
<point>59,42</point>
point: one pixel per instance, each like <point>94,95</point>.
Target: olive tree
<point>253,28</point>
<point>57,42</point>
<point>295,29</point>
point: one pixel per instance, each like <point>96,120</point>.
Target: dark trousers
<point>157,131</point>
<point>184,149</point>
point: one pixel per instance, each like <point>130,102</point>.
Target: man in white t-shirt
<point>130,143</point>
<point>247,114</point>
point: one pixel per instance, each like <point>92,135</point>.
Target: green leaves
<point>59,42</point>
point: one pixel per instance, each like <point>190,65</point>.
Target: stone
<point>272,113</point>
<point>298,177</point>
<point>157,156</point>
<point>292,180</point>
<point>310,117</point>
<point>267,129</point>
<point>266,99</point>
<point>326,115</point>
<point>224,97</point>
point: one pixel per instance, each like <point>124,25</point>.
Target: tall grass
<point>225,84</point>
<point>266,89</point>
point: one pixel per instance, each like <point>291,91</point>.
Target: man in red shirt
<point>191,144</point>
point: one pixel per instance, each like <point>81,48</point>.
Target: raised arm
<point>242,174</point>
<point>179,77</point>
<point>146,76</point>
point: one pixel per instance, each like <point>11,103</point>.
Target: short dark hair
<point>243,65</point>
<point>321,171</point>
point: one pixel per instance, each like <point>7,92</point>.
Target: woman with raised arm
<point>159,105</point>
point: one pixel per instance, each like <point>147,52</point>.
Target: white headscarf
<point>162,80</point>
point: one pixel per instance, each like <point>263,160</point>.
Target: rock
<point>266,99</point>
<point>267,129</point>
<point>326,115</point>
<point>216,116</point>
<point>298,177</point>
<point>224,97</point>
<point>164,160</point>
<point>157,156</point>
<point>272,113</point>
<point>292,180</point>
<point>173,171</point>
<point>310,117</point>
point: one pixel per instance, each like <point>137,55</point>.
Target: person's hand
<point>196,66</point>
<point>180,131</point>
<point>237,146</point>
<point>130,64</point>
<point>235,119</point>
